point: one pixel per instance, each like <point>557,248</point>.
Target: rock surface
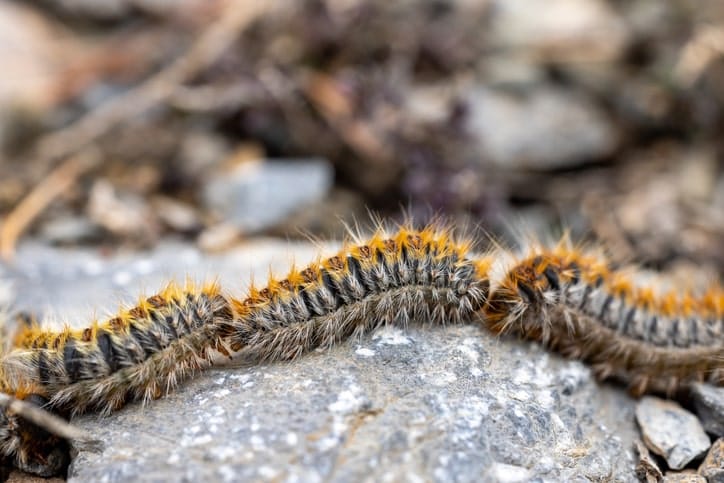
<point>423,404</point>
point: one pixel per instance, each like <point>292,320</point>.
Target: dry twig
<point>58,181</point>
<point>216,39</point>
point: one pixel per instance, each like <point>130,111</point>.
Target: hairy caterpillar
<point>413,275</point>
<point>573,303</point>
<point>140,354</point>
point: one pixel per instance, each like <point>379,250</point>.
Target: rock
<point>121,213</point>
<point>255,195</point>
<point>67,229</point>
<point>178,215</point>
<point>218,237</point>
<point>36,55</point>
<point>712,468</point>
<point>671,431</point>
<point>709,404</point>
<point>426,403</point>
<point>544,128</point>
<point>559,30</point>
<point>36,51</point>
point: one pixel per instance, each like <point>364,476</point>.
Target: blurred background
<point>126,122</point>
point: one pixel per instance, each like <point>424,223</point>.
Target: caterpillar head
<point>522,301</point>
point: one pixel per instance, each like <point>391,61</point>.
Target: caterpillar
<point>139,354</point>
<point>412,275</point>
<point>573,303</point>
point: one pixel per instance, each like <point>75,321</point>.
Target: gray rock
<point>709,404</point>
<point>256,195</point>
<point>671,431</point>
<point>545,128</point>
<point>423,404</point>
<point>712,468</point>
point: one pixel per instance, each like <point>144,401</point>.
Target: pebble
<point>683,477</point>
<point>257,194</point>
<point>671,431</point>
<point>562,128</point>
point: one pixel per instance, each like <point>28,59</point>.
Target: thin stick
<point>215,40</point>
<point>53,185</point>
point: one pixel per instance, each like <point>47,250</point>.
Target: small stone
<point>562,128</point>
<point>712,468</point>
<point>671,431</point>
<point>709,405</point>
<point>121,213</point>
<point>256,195</point>
<point>176,214</point>
<point>68,229</point>
<point>218,237</point>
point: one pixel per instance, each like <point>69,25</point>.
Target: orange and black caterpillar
<point>140,354</point>
<point>389,279</point>
<point>575,304</point>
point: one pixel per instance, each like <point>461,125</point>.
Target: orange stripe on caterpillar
<point>140,354</point>
<point>574,304</point>
<point>423,275</point>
